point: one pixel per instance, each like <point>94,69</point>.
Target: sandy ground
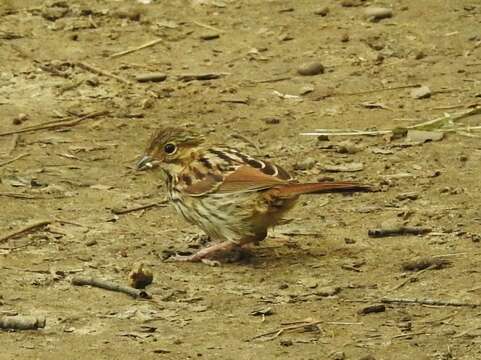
<point>56,65</point>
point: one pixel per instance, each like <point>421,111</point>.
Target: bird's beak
<point>144,163</point>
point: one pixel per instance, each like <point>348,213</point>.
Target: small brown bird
<point>230,195</point>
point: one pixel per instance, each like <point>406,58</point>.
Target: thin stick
<point>278,332</point>
<point>108,285</point>
<point>207,26</point>
<point>141,207</point>
<point>13,159</point>
<point>427,302</point>
<point>421,126</point>
<point>397,231</point>
<point>19,195</point>
<point>24,230</point>
<point>378,90</point>
<point>412,277</point>
<point>146,45</point>
<point>56,125</point>
<point>98,71</point>
<point>200,77</point>
<point>22,322</point>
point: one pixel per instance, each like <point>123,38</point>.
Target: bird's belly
<point>234,216</point>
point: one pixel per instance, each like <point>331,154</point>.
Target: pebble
<point>367,357</point>
<point>311,68</point>
<point>154,77</point>
<point>338,355</point>
<point>421,92</point>
<point>271,120</point>
<point>55,12</point>
<point>322,11</point>
<point>306,164</point>
<point>132,13</point>
<point>374,14</point>
<point>372,309</point>
<point>19,119</point>
<point>345,37</point>
<point>209,36</point>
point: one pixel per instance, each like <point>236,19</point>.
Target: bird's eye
<point>170,148</point>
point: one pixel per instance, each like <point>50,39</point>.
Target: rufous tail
<point>318,188</point>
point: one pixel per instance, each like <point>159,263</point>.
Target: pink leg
<point>207,252</point>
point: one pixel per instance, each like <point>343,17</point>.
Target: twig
<point>24,230</point>
<point>19,195</point>
<point>55,125</point>
<point>378,90</point>
<point>427,302</point>
<point>278,332</point>
<point>22,322</point>
<point>146,45</point>
<point>397,231</point>
<point>13,159</point>
<point>137,208</point>
<point>108,285</point>
<point>410,278</point>
<point>205,76</point>
<point>207,26</point>
<point>265,81</point>
<point>98,71</point>
<point>401,336</point>
<point>426,125</point>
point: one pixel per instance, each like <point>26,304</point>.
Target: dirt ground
<point>56,65</point>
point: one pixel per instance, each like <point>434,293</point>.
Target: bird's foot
<point>205,255</point>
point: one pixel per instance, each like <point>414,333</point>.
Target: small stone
<point>408,196</point>
<point>328,291</point>
<point>372,309</point>
<point>19,119</point>
<point>345,37</point>
<point>322,11</point>
<point>152,77</point>
<point>374,13</point>
<point>286,343</point>
<point>311,68</point>
<point>306,164</point>
<point>55,12</point>
<point>367,357</point>
<point>131,13</point>
<point>93,81</point>
<point>306,90</point>
<point>421,92</point>
<point>351,3</point>
<point>209,36</point>
<point>91,242</point>
<point>347,147</point>
<point>419,54</point>
<point>271,120</point>
<point>338,355</point>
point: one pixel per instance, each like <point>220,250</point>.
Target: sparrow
<point>232,196</point>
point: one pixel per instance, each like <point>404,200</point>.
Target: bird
<point>232,196</point>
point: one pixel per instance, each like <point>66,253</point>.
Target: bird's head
<point>169,148</point>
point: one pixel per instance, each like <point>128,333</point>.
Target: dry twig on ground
<point>56,124</point>
<point>109,285</point>
<point>26,229</point>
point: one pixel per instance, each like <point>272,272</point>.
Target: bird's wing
<point>227,170</point>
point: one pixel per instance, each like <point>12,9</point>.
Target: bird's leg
<point>207,252</point>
